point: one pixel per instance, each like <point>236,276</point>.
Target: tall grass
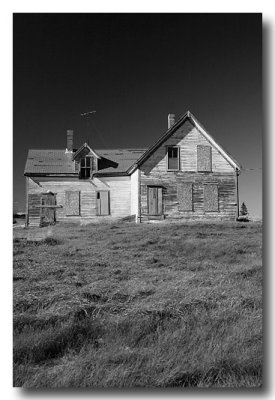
<point>128,305</point>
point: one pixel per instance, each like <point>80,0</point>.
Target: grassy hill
<point>146,305</point>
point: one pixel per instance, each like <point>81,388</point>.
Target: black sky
<point>134,69</point>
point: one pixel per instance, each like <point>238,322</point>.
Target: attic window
<point>85,168</point>
<point>173,158</point>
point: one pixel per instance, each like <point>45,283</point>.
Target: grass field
<point>146,305</point>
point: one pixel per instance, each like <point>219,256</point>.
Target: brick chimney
<point>171,120</point>
<point>70,137</point>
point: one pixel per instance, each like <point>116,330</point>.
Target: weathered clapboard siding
<point>187,137</point>
<point>119,188</point>
<point>154,172</point>
<point>135,193</point>
<point>120,195</point>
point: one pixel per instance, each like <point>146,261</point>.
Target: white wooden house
<point>185,175</point>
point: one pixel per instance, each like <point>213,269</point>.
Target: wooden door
<point>48,213</point>
<point>103,203</point>
<point>154,200</point>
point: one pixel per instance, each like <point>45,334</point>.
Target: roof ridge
<point>118,148</point>
<point>125,148</point>
<point>50,149</point>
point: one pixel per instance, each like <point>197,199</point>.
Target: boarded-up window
<point>204,158</point>
<point>103,202</point>
<point>185,196</point>
<point>211,197</point>
<point>72,205</point>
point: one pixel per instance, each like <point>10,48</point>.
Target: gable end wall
<point>154,172</point>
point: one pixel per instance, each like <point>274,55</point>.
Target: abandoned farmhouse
<point>185,175</point>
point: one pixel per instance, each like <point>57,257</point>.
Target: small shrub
<point>18,278</point>
<point>51,343</point>
<point>243,218</point>
<point>50,241</point>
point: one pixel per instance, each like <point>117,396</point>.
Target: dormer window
<point>85,168</point>
<point>173,160</point>
<point>86,161</point>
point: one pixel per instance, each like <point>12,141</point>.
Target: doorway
<point>155,200</point>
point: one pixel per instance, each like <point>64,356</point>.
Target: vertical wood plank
<point>159,191</point>
<point>152,200</point>
<point>104,203</point>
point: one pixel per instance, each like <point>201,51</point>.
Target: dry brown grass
<point>127,305</point>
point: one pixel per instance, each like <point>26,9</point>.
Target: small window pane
<point>175,152</point>
<point>88,161</point>
<point>172,163</point>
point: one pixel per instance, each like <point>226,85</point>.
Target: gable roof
<point>45,162</point>
<point>48,162</point>
<point>86,147</point>
<point>169,133</point>
<point>114,161</point>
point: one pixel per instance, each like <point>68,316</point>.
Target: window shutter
<point>72,203</point>
<point>103,203</point>
<point>211,197</point>
<point>204,158</point>
<point>185,196</point>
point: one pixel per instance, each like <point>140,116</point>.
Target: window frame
<point>167,158</point>
<point>109,202</point>
<point>85,168</point>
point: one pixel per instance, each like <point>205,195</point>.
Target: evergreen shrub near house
<point>243,217</point>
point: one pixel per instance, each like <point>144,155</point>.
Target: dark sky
<point>134,69</point>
